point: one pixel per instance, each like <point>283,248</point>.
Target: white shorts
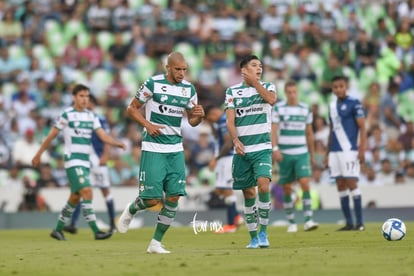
<point>99,175</point>
<point>344,164</point>
<point>224,178</point>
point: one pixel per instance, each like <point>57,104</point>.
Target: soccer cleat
<point>124,220</point>
<point>227,229</point>
<point>70,229</point>
<point>359,227</point>
<point>263,241</point>
<point>239,220</point>
<point>155,247</point>
<point>293,228</point>
<point>102,235</point>
<point>310,225</point>
<point>58,235</point>
<point>347,227</point>
<point>254,243</point>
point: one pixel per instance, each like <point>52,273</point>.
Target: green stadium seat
<point>145,67</point>
<point>56,42</point>
<point>105,39</point>
<point>349,72</point>
<point>102,78</point>
<point>135,4</point>
<point>367,76</point>
<point>16,51</point>
<point>83,40</point>
<point>73,27</point>
<point>8,89</point>
<point>404,107</point>
<point>129,79</point>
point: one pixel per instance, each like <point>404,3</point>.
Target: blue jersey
<point>221,130</point>
<point>97,143</point>
<point>343,115</point>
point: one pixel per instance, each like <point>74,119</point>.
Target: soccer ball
<point>393,229</point>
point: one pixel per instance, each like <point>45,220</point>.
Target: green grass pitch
<point>321,252</point>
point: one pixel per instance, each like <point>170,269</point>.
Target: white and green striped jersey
<point>253,115</point>
<point>165,104</point>
<point>292,122</point>
<point>77,127</point>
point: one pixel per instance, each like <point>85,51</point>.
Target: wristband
<point>275,148</point>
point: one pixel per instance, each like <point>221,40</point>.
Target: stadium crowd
<point>112,46</point>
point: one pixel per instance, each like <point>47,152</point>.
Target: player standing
<point>293,148</point>
<point>99,175</point>
<point>166,97</point>
<point>77,124</point>
<point>347,126</point>
<point>248,110</point>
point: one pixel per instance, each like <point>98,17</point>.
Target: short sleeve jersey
<point>253,115</point>
<point>292,122</point>
<point>165,104</point>
<point>77,127</point>
<point>343,115</point>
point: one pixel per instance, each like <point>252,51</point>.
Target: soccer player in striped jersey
<point>248,110</point>
<point>293,148</point>
<point>347,127</point>
<point>77,124</point>
<point>99,174</point>
<point>162,168</point>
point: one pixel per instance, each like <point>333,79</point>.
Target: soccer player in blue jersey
<point>221,164</point>
<point>99,175</point>
<point>345,155</point>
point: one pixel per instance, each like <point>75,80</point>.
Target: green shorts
<point>162,172</point>
<point>78,178</point>
<point>294,167</point>
<point>248,168</point>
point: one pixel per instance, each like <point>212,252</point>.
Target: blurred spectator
<point>377,138</point>
<point>271,23</point>
<point>25,148</point>
<point>217,50</point>
<point>274,57</point>
<point>404,39</point>
<point>276,191</point>
<point>353,24</point>
<point>321,130</point>
<point>120,174</point>
<point>373,159</point>
<point>46,178</point>
<point>11,30</point>
<point>327,24</point>
<point>98,17</point>
<point>407,78</point>
<point>288,39</point>
<point>71,54</point>
<point>91,57</point>
<point>406,137</point>
<point>371,178</point>
<point>4,155</point>
<point>340,46</point>
<point>209,88</point>
<point>365,52</point>
<point>386,174</point>
<point>389,115</point>
<point>120,54</point>
<point>178,24</point>
<point>388,63</point>
<point>117,93</point>
<point>203,151</point>
<point>32,200</point>
<point>225,23</point>
<point>59,172</point>
<point>123,17</point>
<point>138,41</point>
<point>303,69</point>
<point>334,68</point>
<point>160,43</point>
<point>312,36</point>
<point>242,45</point>
<point>252,21</point>
<point>409,172</point>
<point>23,102</point>
<point>13,180</point>
<point>9,67</point>
<point>394,153</point>
<point>399,177</point>
<point>320,153</point>
<point>409,155</point>
<point>381,33</point>
<point>371,102</point>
